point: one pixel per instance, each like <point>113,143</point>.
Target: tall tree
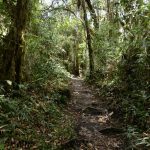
<point>76,53</point>
<point>14,44</point>
<point>88,38</point>
<point>93,14</point>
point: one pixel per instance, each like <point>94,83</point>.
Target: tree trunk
<point>77,58</point>
<point>89,40</point>
<point>109,10</point>
<point>14,45</point>
<point>93,14</point>
<point>75,53</point>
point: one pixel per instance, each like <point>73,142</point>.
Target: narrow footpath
<point>96,127</point>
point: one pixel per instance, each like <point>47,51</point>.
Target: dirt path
<point>95,126</point>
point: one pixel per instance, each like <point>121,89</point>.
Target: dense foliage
<point>107,42</point>
<point>122,62</point>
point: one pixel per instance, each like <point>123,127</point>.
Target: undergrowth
<point>130,105</point>
<point>32,114</point>
<point>33,117</point>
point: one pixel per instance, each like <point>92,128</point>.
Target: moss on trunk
<point>14,44</point>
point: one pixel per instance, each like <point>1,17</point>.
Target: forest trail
<point>95,126</point>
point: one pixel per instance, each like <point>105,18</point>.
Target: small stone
<point>90,145</point>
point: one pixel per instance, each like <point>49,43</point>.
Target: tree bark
<point>77,58</point>
<point>108,10</point>
<point>93,14</point>
<point>14,44</point>
<point>89,40</point>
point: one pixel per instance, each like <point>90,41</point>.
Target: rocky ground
<point>96,126</point>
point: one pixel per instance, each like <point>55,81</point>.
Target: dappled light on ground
<point>94,124</point>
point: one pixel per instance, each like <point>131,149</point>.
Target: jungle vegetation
<point>44,43</point>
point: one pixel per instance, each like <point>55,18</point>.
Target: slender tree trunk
<point>75,53</point>
<point>108,10</point>
<point>76,62</point>
<point>14,45</point>
<point>89,40</point>
<point>93,14</point>
<point>77,58</point>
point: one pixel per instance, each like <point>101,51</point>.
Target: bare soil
<point>95,125</point>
